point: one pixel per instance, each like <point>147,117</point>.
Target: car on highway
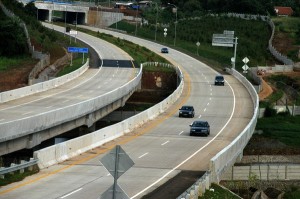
<point>164,50</point>
<point>219,80</point>
<point>199,128</point>
<point>186,111</point>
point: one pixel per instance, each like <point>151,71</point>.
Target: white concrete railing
<point>227,157</point>
<point>273,171</point>
<point>43,86</point>
<point>63,151</point>
<point>28,125</point>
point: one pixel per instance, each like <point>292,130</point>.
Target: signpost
<point>73,32</point>
<point>226,40</point>
<point>245,67</point>
<point>77,50</point>
<point>117,162</point>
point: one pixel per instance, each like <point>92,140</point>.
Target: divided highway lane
<point>164,147</point>
<point>94,82</point>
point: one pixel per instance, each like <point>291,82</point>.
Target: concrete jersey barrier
<point>63,151</point>
<point>227,157</point>
<point>43,86</point>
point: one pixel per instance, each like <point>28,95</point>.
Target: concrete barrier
<point>273,171</point>
<point>63,151</point>
<point>227,157</point>
<point>43,86</point>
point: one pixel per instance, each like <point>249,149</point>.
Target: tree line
<point>262,7</point>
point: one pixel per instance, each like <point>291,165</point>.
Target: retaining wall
<point>264,172</point>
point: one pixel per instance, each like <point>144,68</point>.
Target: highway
<point>161,148</point>
<point>117,70</point>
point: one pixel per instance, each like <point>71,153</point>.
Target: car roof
<point>187,106</point>
<point>200,121</point>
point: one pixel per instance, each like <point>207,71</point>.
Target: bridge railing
<point>28,125</point>
<point>63,151</point>
<point>43,86</point>
<point>18,167</point>
<point>227,157</point>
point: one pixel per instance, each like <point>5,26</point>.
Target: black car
<point>164,50</point>
<point>219,80</point>
<point>200,128</point>
<point>186,111</point>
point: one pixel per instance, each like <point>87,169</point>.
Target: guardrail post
<point>11,165</point>
<point>30,168</point>
<point>22,162</point>
<point>2,176</point>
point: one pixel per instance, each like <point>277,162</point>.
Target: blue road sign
<point>77,50</point>
<point>83,50</point>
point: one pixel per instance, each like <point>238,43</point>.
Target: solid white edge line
<point>233,108</point>
<point>71,193</point>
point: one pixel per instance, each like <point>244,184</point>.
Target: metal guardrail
<point>18,167</point>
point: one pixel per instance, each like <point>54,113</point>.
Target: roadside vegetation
<point>139,53</point>
<point>252,36</point>
<point>17,176</point>
<point>217,191</point>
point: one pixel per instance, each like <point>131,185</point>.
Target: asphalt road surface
<point>160,149</point>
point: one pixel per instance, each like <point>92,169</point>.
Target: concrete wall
<point>71,148</point>
<point>264,172</point>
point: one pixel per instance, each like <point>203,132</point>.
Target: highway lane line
<point>71,193</point>
<point>27,113</point>
<point>165,143</point>
<point>181,132</point>
<point>111,146</point>
<point>83,82</point>
<point>143,155</point>
<point>195,153</point>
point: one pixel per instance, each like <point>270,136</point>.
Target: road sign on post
<point>78,50</point>
<point>227,40</point>
<point>245,67</point>
<point>117,162</point>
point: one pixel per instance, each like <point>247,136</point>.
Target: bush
<point>270,111</point>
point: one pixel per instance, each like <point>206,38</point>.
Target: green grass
<point>8,63</point>
<point>252,36</point>
<point>218,193</point>
<point>139,53</point>
<point>10,178</point>
<point>283,128</point>
<point>275,96</point>
<point>76,64</point>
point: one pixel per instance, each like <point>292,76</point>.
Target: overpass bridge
<point>27,121</point>
<point>77,13</point>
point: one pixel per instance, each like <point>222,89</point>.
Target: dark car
<point>186,111</point>
<point>164,50</point>
<point>200,128</point>
<point>219,80</point>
